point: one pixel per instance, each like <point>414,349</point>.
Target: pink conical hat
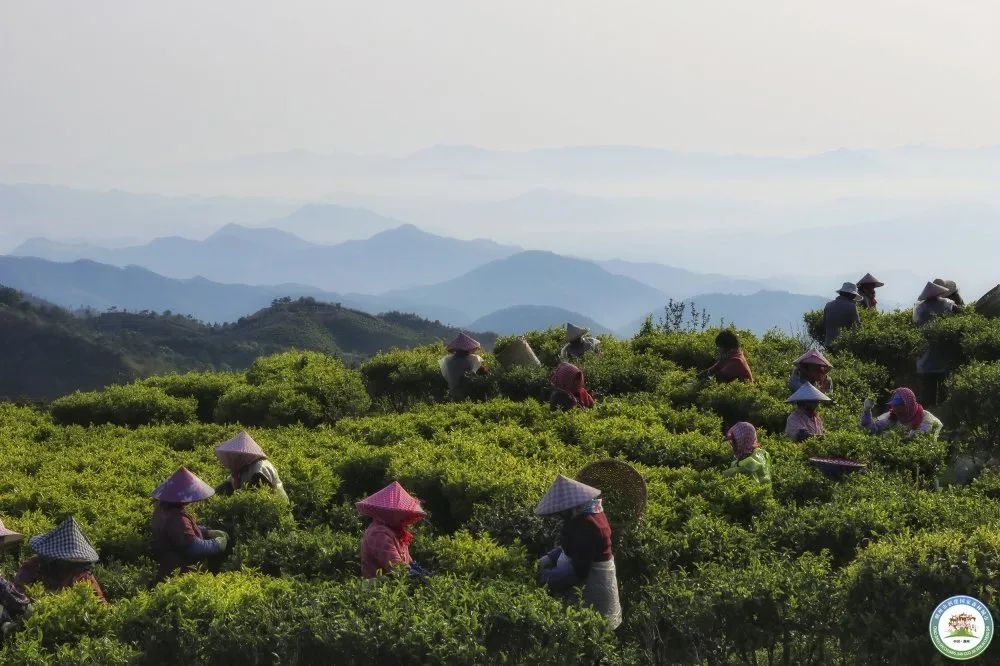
<point>565,493</point>
<point>813,357</point>
<point>182,487</point>
<point>390,504</point>
<point>239,452</point>
<point>464,343</point>
<point>9,536</point>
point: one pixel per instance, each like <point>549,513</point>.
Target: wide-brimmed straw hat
<point>623,489</point>
<point>238,452</point>
<point>390,504</point>
<point>574,332</point>
<point>66,542</point>
<point>9,536</point>
<point>932,290</point>
<point>870,279</point>
<point>463,342</point>
<point>813,357</point>
<point>183,487</point>
<point>850,289</point>
<point>565,493</point>
<point>808,393</point>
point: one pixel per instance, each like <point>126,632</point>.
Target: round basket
<point>623,490</point>
<point>837,467</point>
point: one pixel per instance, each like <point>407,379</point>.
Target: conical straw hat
<point>518,353</point>
<point>9,536</point>
<point>464,343</point>
<point>390,503</point>
<point>238,452</point>
<point>574,332</point>
<point>872,280</point>
<point>950,285</point>
<point>66,542</point>
<point>564,494</point>
<point>813,357</point>
<point>932,290</point>
<point>808,393</point>
<point>182,487</point>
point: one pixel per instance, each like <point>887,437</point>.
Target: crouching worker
<point>905,412</point>
<point>64,557</point>
<point>584,554</point>
<point>461,363</point>
<point>568,389</point>
<point>14,604</point>
<point>811,367</point>
<point>178,542</point>
<point>386,543</point>
<point>804,421</point>
<point>748,457</point>
<point>248,467</point>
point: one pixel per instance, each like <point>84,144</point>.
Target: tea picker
<point>804,421</point>
<point>178,542</point>
<point>460,363</point>
<point>583,557</point>
<point>386,543</point>
<point>578,343</point>
<point>905,413</point>
<point>748,456</point>
<point>14,604</point>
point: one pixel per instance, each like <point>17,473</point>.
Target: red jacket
<point>732,368</point>
<point>382,548</point>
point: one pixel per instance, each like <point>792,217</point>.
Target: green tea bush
<point>973,404</point>
<point>294,387</point>
<point>742,401</point>
<point>401,378</point>
<point>896,584</point>
<point>890,340</point>
<point>132,406</point>
<point>205,387</point>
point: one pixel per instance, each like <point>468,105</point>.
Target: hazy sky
<point>118,82</point>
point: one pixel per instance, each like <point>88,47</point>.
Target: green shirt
<point>757,465</point>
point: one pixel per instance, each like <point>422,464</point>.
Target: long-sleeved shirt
<point>930,424</point>
<point>578,348</point>
<point>381,549</point>
<point>56,576</point>
<point>841,312</point>
<point>258,473</point>
<point>585,539</point>
<point>801,425</point>
<point>177,541</point>
<point>756,465</point>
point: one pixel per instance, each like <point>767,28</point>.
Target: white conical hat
<point>808,393</point>
<point>564,494</point>
<point>931,290</point>
<point>574,332</point>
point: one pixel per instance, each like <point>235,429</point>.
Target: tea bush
<point>806,570</point>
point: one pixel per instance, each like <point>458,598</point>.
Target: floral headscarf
<point>568,379</point>
<point>743,438</point>
<point>904,407</point>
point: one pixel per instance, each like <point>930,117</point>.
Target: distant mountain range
<point>541,278</point>
<point>266,256</point>
<point>520,318</point>
<point>45,351</point>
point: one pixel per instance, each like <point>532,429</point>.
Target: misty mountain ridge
<point>390,259</point>
<point>520,318</point>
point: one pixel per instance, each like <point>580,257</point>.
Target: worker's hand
<point>869,404</point>
<point>212,534</point>
<point>223,540</point>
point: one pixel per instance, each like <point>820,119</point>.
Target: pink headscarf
<point>906,408</point>
<point>743,438</point>
<point>568,379</point>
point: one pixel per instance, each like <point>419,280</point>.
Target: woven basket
<point>623,490</point>
<point>837,467</point>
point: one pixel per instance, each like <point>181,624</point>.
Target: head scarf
<point>568,379</point>
<point>743,438</point>
<point>905,408</point>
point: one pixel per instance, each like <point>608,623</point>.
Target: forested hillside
<point>46,351</point>
<point>723,570</point>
